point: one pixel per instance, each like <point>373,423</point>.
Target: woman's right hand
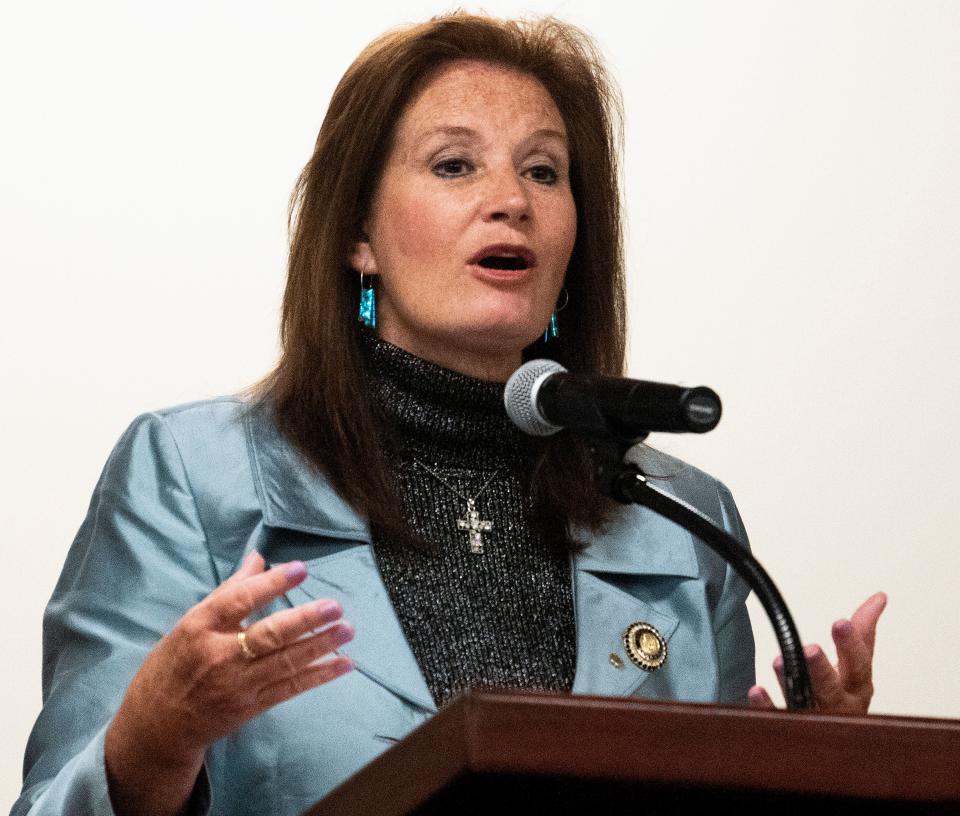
<point>197,685</point>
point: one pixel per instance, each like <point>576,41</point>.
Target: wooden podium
<point>504,753</point>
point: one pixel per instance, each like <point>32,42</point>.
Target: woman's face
<point>472,224</point>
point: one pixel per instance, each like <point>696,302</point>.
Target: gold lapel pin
<point>645,646</point>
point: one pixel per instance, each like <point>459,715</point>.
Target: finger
<point>823,677</point>
<point>865,619</point>
<point>252,564</point>
<point>295,659</point>
<point>778,671</point>
<point>230,604</point>
<point>827,688</point>
<point>854,658</point>
<point>283,628</point>
<point>298,683</point>
<point>758,698</point>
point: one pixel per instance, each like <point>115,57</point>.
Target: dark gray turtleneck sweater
<point>503,618</point>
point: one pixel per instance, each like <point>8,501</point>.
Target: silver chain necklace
<point>471,523</point>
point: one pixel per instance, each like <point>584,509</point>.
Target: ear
<point>361,256</point>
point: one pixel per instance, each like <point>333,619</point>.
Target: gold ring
<point>245,649</point>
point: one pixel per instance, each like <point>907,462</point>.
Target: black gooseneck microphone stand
<point>626,483</point>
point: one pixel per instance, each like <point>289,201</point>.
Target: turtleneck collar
<point>442,416</point>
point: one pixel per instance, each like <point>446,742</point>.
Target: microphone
<point>542,398</point>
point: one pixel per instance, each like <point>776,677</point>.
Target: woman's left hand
<point>848,687</point>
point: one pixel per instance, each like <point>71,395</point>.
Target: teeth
<point>503,262</point>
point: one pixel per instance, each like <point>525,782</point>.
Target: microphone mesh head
<point>520,396</point>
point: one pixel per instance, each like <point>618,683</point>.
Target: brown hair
<point>318,389</point>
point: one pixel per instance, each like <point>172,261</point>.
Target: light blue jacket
<point>188,491</point>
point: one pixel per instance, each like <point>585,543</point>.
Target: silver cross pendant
<point>474,527</point>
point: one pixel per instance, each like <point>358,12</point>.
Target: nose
<point>506,198</point>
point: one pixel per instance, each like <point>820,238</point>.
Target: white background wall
<point>792,177</point>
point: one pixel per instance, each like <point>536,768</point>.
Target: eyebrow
<point>459,130</point>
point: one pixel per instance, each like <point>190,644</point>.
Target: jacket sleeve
<point>138,562</point>
<point>732,630</point>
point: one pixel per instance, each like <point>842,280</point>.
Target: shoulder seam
<point>195,404</point>
<point>186,478</point>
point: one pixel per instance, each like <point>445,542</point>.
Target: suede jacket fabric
<point>189,491</point>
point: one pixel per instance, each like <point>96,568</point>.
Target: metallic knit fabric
<point>503,618</point>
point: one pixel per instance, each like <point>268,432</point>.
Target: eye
<point>451,168</point>
<point>544,174</point>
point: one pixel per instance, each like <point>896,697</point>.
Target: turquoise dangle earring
<point>553,332</point>
<point>368,305</point>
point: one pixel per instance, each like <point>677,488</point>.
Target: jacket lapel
<point>294,496</point>
<point>638,545</point>
<point>379,649</point>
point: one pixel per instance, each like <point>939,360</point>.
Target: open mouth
<point>511,262</point>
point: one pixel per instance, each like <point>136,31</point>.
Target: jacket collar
<point>637,542</point>
<point>293,494</point>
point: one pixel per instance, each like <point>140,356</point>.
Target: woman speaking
<point>460,214</point>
